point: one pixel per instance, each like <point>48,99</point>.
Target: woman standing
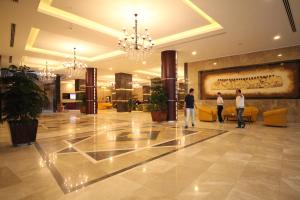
<point>220,104</point>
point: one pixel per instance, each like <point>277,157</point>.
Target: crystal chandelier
<point>46,75</point>
<point>137,45</point>
<point>75,68</point>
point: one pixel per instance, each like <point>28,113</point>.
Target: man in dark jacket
<point>189,108</point>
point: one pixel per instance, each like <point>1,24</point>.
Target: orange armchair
<point>252,112</point>
<point>277,117</point>
<point>207,113</point>
<point>103,106</point>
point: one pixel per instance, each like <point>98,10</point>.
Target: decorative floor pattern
<point>258,162</point>
<point>79,161</point>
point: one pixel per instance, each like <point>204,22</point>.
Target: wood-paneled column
<point>186,78</point>
<point>91,91</point>
<point>79,84</point>
<point>56,94</point>
<point>123,87</point>
<point>146,93</point>
<point>169,79</point>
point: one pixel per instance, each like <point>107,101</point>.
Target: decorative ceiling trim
<point>147,73</point>
<point>45,7</point>
<point>32,38</point>
<point>53,65</point>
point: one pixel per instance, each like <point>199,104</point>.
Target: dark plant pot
<point>23,131</point>
<point>159,116</point>
<point>82,109</point>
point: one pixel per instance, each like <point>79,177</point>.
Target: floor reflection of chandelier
<point>46,75</point>
<point>75,68</point>
<point>137,45</point>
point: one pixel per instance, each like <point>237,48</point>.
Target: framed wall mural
<point>277,80</point>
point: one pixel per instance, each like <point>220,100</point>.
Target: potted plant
<point>23,101</point>
<point>158,103</point>
<point>130,105</point>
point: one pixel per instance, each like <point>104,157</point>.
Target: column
<point>186,78</point>
<point>0,89</point>
<point>79,85</point>
<point>123,88</point>
<point>146,93</point>
<point>181,95</point>
<point>169,79</point>
<point>91,90</point>
<point>56,95</point>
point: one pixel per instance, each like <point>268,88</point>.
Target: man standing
<point>240,105</point>
<point>220,104</point>
<point>189,104</point>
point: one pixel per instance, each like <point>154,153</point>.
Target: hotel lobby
<point>95,99</point>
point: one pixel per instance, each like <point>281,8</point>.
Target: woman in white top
<point>220,104</point>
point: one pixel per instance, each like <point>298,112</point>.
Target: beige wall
<point>67,87</point>
<point>289,53</point>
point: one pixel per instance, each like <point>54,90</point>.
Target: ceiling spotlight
<point>194,53</point>
<point>276,37</point>
<point>279,55</point>
<point>144,62</point>
<point>214,63</point>
<point>110,68</point>
<point>196,188</point>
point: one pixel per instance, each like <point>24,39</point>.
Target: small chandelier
<point>74,68</point>
<point>136,44</point>
<point>46,75</point>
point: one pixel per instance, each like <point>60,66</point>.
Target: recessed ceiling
<point>152,14</point>
<point>47,40</point>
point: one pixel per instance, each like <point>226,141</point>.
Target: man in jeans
<point>189,104</point>
<point>240,105</point>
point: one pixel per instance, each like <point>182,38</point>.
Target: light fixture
<point>196,188</point>
<point>110,68</point>
<point>279,55</point>
<point>194,53</point>
<point>137,45</point>
<point>46,75</point>
<point>144,62</point>
<point>276,37</point>
<point>74,68</point>
<point>215,63</point>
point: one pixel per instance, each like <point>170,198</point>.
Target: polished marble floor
<point>126,156</point>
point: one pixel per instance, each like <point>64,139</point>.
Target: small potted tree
<point>23,101</point>
<point>130,105</point>
<point>158,103</point>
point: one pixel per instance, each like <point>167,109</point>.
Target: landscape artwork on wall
<point>277,80</point>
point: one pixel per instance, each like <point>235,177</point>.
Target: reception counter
<point>71,104</point>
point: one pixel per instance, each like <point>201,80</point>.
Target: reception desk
<point>71,104</point>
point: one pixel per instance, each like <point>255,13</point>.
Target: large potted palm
<point>23,101</point>
<point>158,103</point>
